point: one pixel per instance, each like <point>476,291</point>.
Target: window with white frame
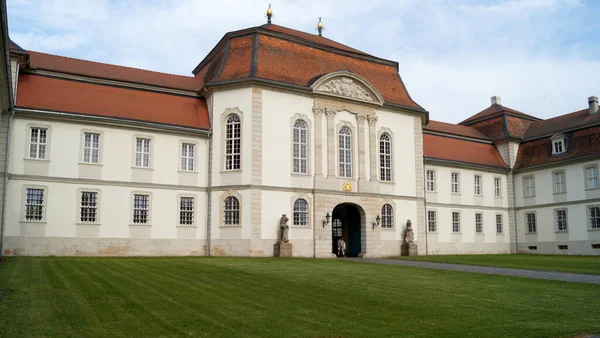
<point>300,212</point>
<point>558,146</point>
<point>232,211</point>
<point>142,152</point>
<point>529,186</point>
<point>591,177</point>
<point>455,222</point>
<point>431,221</point>
<point>499,224</point>
<point>561,219</point>
<point>91,148</point>
<point>141,209</point>
<point>477,182</point>
<point>497,187</point>
<point>300,147</point>
<point>337,228</point>
<point>34,205</point>
<point>559,182</point>
<point>88,207</point>
<point>531,222</point>
<point>186,211</point>
<point>38,142</point>
<point>430,180</point>
<point>478,223</point>
<point>387,217</point>
<point>454,181</point>
<point>594,212</point>
<point>233,142</point>
<point>345,144</point>
<point>385,157</point>
<point>188,155</point>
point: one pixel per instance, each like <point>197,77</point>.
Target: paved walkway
<point>548,275</point>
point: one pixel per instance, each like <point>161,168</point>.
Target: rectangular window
<point>454,179</point>
<point>38,142</point>
<point>186,211</point>
<point>558,146</point>
<point>300,147</point>
<point>34,205</point>
<point>431,221</point>
<point>430,180</point>
<point>529,186</point>
<point>478,223</point>
<point>532,247</point>
<point>563,247</point>
<point>455,222</point>
<point>142,152</point>
<point>499,224</point>
<point>141,209</point>
<point>345,152</point>
<point>530,219</point>
<point>561,220</point>
<point>497,187</point>
<point>91,148</point>
<point>88,207</point>
<point>591,177</point>
<point>188,153</point>
<point>477,185</point>
<point>559,182</point>
<point>594,217</point>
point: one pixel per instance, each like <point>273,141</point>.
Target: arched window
<point>233,135</point>
<point>232,211</point>
<point>345,144</point>
<point>387,217</point>
<point>301,212</point>
<point>385,157</point>
<point>300,147</point>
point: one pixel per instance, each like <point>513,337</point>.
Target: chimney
<point>593,101</point>
<point>496,100</point>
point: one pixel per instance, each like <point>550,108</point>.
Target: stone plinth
<point>408,250</point>
<point>283,249</point>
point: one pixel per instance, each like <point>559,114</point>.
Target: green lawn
<point>240,297</point>
<point>576,264</point>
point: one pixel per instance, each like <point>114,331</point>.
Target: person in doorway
<point>341,247</point>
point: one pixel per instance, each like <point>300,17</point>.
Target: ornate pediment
<point>347,85</point>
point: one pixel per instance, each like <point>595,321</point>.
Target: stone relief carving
<point>360,118</point>
<point>346,86</point>
<point>330,113</point>
<point>372,120</point>
<point>318,111</point>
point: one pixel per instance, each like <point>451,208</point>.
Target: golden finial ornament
<point>269,14</point>
<point>320,27</point>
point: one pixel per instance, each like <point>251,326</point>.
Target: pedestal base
<point>283,249</point>
<point>408,250</point>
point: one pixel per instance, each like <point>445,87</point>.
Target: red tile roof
<point>47,93</point>
<point>452,149</point>
<point>561,123</point>
<point>497,109</point>
<point>454,129</point>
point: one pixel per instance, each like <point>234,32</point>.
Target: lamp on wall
<point>376,223</point>
<point>326,221</point>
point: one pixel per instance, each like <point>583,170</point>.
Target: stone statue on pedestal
<point>284,228</point>
<point>283,248</point>
<point>408,247</point>
<point>409,236</point>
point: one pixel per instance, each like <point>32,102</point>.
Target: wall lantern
<point>377,219</point>
<point>326,221</point>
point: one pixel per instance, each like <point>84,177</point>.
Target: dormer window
<point>559,144</point>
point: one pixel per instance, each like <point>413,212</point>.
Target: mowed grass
<point>239,297</point>
<point>563,263</point>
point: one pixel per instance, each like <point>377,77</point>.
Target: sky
<point>540,56</point>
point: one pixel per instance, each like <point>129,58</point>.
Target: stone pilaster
<point>373,147</point>
<point>330,143</point>
<point>419,179</point>
<point>360,120</point>
<point>256,201</point>
<point>318,141</point>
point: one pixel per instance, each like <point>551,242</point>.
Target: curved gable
<point>347,85</point>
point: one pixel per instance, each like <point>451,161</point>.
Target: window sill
<point>431,192</point>
<point>561,231</point>
<point>230,226</point>
<point>387,182</point>
<point>500,234</point>
<point>531,233</point>
<point>455,194</point>
<point>33,222</point>
<point>586,189</point>
<point>141,168</point>
<point>456,233</point>
<point>498,197</point>
<point>301,226</point>
<point>187,172</point>
<point>300,174</point>
<point>186,226</point>
<point>91,224</point>
<point>593,229</point>
<point>91,164</point>
<point>388,229</point>
<point>477,195</point>
<point>479,234</point>
<point>36,159</point>
<point>140,225</point>
<point>559,193</point>
<point>432,232</point>
<point>231,171</point>
<point>525,197</point>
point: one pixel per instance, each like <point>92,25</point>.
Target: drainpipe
<point>209,193</point>
<point>425,205</point>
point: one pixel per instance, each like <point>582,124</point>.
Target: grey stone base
<point>409,250</point>
<point>282,249</point>
<point>574,248</point>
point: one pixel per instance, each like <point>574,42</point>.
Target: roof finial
<point>320,27</point>
<point>269,14</point>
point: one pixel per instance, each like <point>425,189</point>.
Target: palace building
<point>107,160</point>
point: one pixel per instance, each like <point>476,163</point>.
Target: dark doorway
<point>347,225</point>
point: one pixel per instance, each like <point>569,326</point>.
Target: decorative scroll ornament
<point>347,187</point>
<point>346,86</point>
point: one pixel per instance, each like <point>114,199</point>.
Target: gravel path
<point>548,275</point>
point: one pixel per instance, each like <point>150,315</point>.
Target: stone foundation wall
<point>551,248</point>
<point>466,248</point>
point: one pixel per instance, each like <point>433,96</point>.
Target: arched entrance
<point>347,224</point>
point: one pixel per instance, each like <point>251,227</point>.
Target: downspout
<point>209,193</point>
<point>425,206</point>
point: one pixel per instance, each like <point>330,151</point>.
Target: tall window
<point>497,187</point>
<point>529,185</point>
<point>232,211</point>
<point>385,157</point>
<point>591,177</point>
<point>337,228</point>
<point>499,224</point>
<point>531,223</point>
<point>88,207</point>
<point>301,212</point>
<point>454,180</point>
<point>37,143</point>
<point>34,205</point>
<point>141,209</point>
<point>387,217</point>
<point>559,182</point>
<point>233,136</point>
<point>558,146</point>
<point>345,141</point>
<point>594,217</point>
<point>300,147</point>
<point>561,220</point>
<point>478,223</point>
<point>186,211</point>
<point>91,148</point>
<point>455,222</point>
<point>430,180</point>
<point>477,185</point>
<point>188,154</point>
<point>142,152</point>
<point>431,221</point>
